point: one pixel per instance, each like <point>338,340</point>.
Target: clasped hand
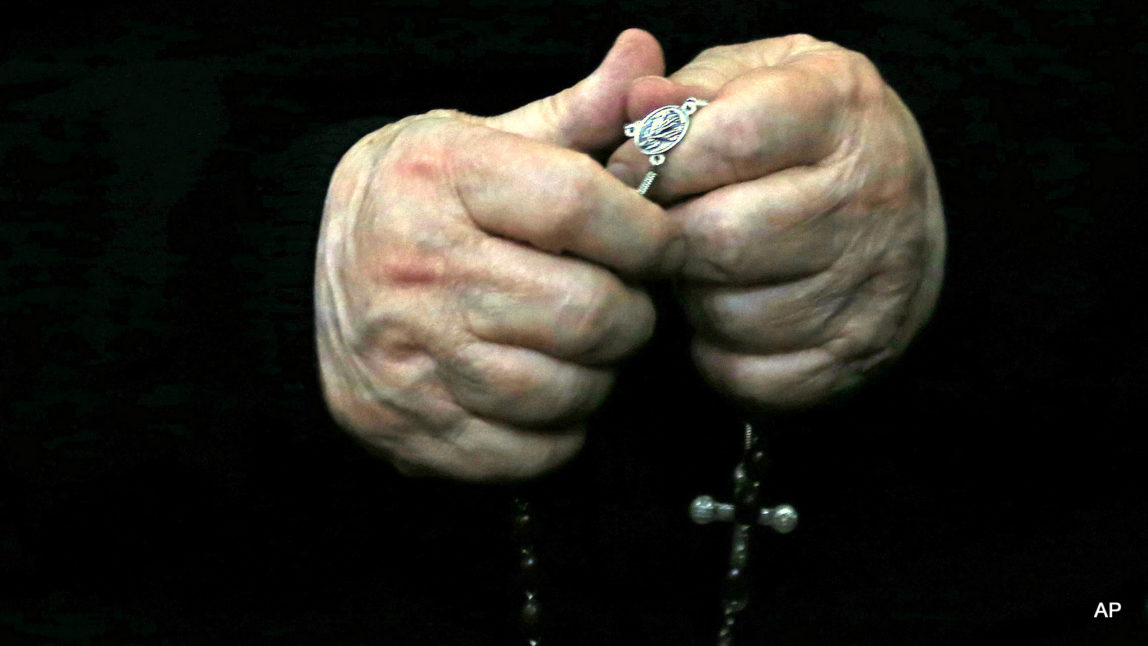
<point>477,278</point>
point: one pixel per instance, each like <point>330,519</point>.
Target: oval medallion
<point>662,129</point>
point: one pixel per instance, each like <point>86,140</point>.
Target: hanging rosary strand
<point>655,135</point>
<point>530,617</point>
<point>744,513</point>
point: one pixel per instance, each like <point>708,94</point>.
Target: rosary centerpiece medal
<point>660,131</point>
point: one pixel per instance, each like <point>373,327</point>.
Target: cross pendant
<point>744,514</point>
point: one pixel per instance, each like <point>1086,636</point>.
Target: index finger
<point>561,201</point>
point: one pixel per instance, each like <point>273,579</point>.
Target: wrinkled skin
<point>472,287</point>
<point>814,233</point>
<point>476,277</point>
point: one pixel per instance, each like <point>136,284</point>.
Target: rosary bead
<point>531,617</point>
<point>523,527</point>
<point>739,548</point>
<point>528,568</point>
<point>736,589</point>
<point>740,477</point>
<point>746,494</point>
<point>745,499</point>
<point>755,463</point>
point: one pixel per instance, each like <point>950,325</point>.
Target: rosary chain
<point>530,617</point>
<point>647,182</point>
<point>745,513</point>
<point>746,487</point>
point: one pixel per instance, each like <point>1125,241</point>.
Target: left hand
<point>814,229</point>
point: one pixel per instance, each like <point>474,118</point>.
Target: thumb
<point>591,114</point>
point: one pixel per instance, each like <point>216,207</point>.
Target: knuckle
<point>893,187</point>
<point>382,343</point>
<point>867,341</point>
<point>663,249</point>
<point>575,195</point>
<point>628,326</point>
<point>552,113</point>
<point>472,369</point>
<point>580,395</point>
<point>742,130</point>
<point>434,145</point>
<point>800,42</point>
<point>644,315</point>
<point>716,52</point>
<point>584,178</point>
<point>723,250</point>
<point>516,387</point>
<point>894,284</point>
<point>861,82</point>
<point>613,331</point>
<point>810,386</point>
<point>442,113</point>
<point>716,312</point>
<point>420,163</point>
<point>479,452</point>
<point>588,315</point>
<point>869,86</point>
<point>889,187</point>
<point>484,379</point>
<point>420,263</point>
<point>790,381</point>
<point>842,77</point>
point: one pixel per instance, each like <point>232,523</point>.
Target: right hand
<point>469,282</point>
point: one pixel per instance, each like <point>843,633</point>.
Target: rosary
<point>655,135</point>
<point>744,513</point>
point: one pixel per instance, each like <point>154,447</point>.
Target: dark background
<point>169,475</point>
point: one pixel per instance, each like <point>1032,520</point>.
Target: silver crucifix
<point>743,514</point>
